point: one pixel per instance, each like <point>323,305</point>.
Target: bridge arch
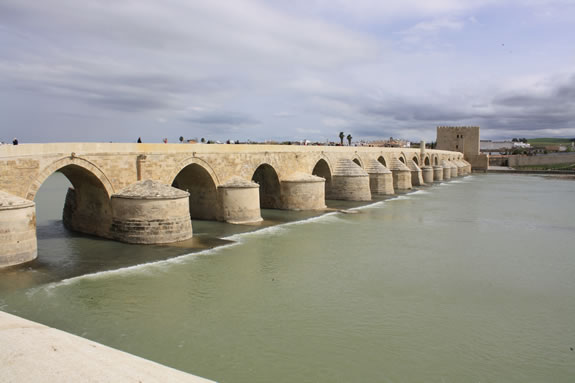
<point>73,166</point>
<point>402,158</point>
<point>426,160</point>
<point>266,176</point>
<point>358,161</point>
<point>198,179</point>
<point>323,169</point>
<point>415,159</point>
<point>435,160</point>
<point>88,207</point>
<point>189,161</point>
<point>381,160</point>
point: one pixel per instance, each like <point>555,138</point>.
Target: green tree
<point>341,137</point>
<point>181,139</point>
<point>349,137</point>
<point>203,140</point>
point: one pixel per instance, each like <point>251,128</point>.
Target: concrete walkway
<point>31,352</point>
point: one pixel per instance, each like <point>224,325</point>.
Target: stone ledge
<point>32,352</point>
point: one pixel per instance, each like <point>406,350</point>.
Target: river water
<point>471,280</point>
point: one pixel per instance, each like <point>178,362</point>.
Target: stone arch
<point>358,161</point>
<point>189,161</point>
<point>415,159</point>
<point>88,207</point>
<point>426,160</point>
<point>401,157</point>
<point>381,160</point>
<point>199,182</point>
<point>322,169</point>
<point>266,176</point>
<point>89,168</point>
<point>435,160</point>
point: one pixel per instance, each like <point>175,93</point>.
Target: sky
<point>116,70</point>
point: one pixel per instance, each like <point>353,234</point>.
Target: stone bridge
<point>149,193</point>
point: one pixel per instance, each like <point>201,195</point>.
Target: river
<point>471,280</point>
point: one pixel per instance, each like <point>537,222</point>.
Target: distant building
<point>556,148</point>
<point>391,143</point>
<point>501,146</point>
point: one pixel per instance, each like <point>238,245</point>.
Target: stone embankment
<point>31,352</point>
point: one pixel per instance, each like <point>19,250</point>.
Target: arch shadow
<point>270,191</point>
<point>358,161</point>
<point>203,200</point>
<point>322,169</point>
<point>381,160</point>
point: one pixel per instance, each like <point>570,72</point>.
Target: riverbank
<point>510,170</point>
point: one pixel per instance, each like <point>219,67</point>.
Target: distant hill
<point>549,141</point>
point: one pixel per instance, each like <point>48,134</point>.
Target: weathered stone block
<point>438,173</point>
<point>17,230</point>
<point>349,182</point>
<point>149,212</point>
<point>302,191</point>
<point>239,201</point>
<point>427,172</point>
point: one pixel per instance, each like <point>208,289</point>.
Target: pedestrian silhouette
<point>15,142</point>
<point>139,140</point>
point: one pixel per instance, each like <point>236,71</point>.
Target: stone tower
<point>464,139</point>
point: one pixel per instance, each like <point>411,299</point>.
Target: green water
<point>467,281</point>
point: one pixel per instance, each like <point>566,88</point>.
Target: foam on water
<point>161,265</point>
<point>400,198</point>
<point>370,206</point>
<point>142,268</point>
<point>279,228</point>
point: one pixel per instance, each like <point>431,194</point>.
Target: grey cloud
<point>225,66</point>
<point>526,111</point>
<point>223,118</point>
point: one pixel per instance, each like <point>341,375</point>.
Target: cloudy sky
<point>113,70</point>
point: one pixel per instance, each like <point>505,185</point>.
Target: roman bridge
<point>150,193</point>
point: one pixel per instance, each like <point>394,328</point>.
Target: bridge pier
<point>150,212</point>
<point>349,182</point>
<point>460,168</point>
<point>302,191</point>
<point>453,169</point>
<point>464,166</point>
<point>17,230</point>
<point>416,176</point>
<point>438,173</point>
<point>239,201</point>
<point>401,175</point>
<point>427,172</point>
<point>468,167</point>
<point>88,213</point>
<point>380,178</point>
<point>446,170</point>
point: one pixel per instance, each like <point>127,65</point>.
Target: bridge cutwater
<point>150,193</point>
